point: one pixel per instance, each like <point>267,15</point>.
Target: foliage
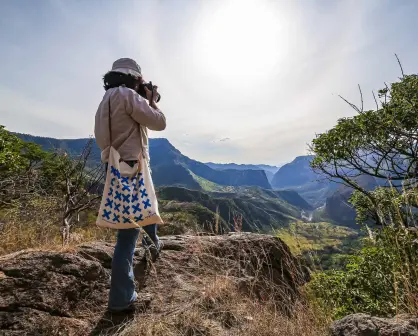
<point>390,206</point>
<point>322,245</point>
<point>18,161</point>
<point>27,173</point>
<point>10,152</point>
<point>376,148</point>
<point>381,143</point>
<point>17,155</point>
<point>380,280</point>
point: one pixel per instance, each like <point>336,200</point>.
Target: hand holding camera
<point>152,95</point>
<point>149,91</point>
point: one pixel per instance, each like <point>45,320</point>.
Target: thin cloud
<point>57,53</point>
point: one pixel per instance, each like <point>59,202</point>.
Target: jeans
<point>122,285</point>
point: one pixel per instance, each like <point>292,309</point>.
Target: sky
<point>244,81</point>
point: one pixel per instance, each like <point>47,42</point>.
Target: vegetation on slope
<point>259,212</point>
<point>209,186</point>
<point>381,279</point>
<point>323,245</point>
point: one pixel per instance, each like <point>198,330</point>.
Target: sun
<point>240,41</point>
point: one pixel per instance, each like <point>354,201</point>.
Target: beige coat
<point>130,116</point>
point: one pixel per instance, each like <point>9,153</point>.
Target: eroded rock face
<point>40,291</point>
<point>65,293</point>
<point>366,325</point>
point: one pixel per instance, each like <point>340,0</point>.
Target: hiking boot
<point>141,272</point>
<point>140,305</point>
<point>154,253</point>
<point>142,268</point>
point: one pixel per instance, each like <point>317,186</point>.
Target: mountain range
<point>295,191</point>
<point>191,189</point>
<point>329,199</point>
<point>169,166</point>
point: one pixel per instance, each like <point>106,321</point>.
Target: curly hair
<point>116,79</point>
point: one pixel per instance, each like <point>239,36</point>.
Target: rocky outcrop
<point>366,325</point>
<point>65,292</point>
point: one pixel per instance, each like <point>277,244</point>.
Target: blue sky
<point>246,81</point>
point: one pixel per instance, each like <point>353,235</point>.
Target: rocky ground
<point>65,292</point>
<point>236,284</point>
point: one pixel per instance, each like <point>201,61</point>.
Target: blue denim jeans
<point>122,285</point>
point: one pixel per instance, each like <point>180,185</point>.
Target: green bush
<point>380,280</point>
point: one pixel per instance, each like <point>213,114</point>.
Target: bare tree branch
<point>400,65</point>
<point>361,97</point>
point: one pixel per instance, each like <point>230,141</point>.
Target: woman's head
<point>125,71</point>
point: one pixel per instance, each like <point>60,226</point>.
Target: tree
<point>18,163</point>
<point>78,186</point>
<point>381,143</point>
<point>10,158</point>
<point>28,172</point>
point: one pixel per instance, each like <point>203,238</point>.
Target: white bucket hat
<point>127,66</point>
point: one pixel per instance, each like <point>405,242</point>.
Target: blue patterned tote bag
<point>129,198</point>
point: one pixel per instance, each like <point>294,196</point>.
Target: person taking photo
<point>124,116</point>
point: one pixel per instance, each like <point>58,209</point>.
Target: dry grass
<point>36,225</point>
<point>222,309</point>
<point>212,295</point>
<point>210,291</point>
<point>22,236</point>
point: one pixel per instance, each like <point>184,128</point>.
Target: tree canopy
<point>381,143</point>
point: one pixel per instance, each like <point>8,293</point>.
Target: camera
<point>149,86</point>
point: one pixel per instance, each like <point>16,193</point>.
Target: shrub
<point>380,280</point>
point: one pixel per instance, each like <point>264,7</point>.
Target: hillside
<point>169,165</point>
<point>338,209</point>
<point>262,210</point>
<point>330,200</point>
<point>296,185</point>
<point>321,244</point>
<point>298,176</point>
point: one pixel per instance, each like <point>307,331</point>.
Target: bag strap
<point>139,129</point>
<point>110,127</point>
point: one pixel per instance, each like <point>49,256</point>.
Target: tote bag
<point>129,199</point>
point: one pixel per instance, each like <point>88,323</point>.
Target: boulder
<point>366,325</point>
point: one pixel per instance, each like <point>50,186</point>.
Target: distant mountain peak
<point>303,158</point>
